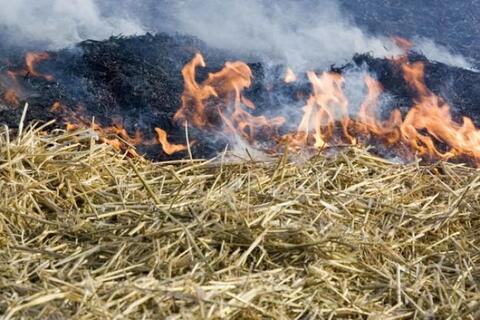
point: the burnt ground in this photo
(459, 87)
(453, 24)
(138, 79)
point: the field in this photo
(87, 233)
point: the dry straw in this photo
(89, 234)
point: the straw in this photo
(86, 233)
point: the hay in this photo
(89, 234)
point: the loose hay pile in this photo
(88, 234)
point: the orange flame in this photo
(219, 101)
(167, 147)
(32, 59)
(9, 81)
(12, 91)
(115, 135)
(327, 117)
(432, 114)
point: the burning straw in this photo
(88, 233)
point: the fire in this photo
(326, 104)
(115, 135)
(290, 76)
(327, 119)
(56, 107)
(9, 81)
(432, 114)
(167, 147)
(32, 59)
(11, 88)
(218, 102)
(404, 44)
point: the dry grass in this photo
(89, 234)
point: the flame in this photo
(167, 147)
(427, 129)
(9, 80)
(11, 87)
(32, 59)
(290, 76)
(432, 114)
(325, 106)
(115, 135)
(218, 102)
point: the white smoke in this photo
(303, 33)
(60, 23)
(440, 53)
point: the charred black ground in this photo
(138, 80)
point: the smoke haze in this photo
(302, 33)
(60, 23)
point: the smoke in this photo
(304, 33)
(440, 53)
(60, 23)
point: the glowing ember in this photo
(56, 107)
(71, 127)
(11, 97)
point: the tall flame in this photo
(218, 101)
(327, 117)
